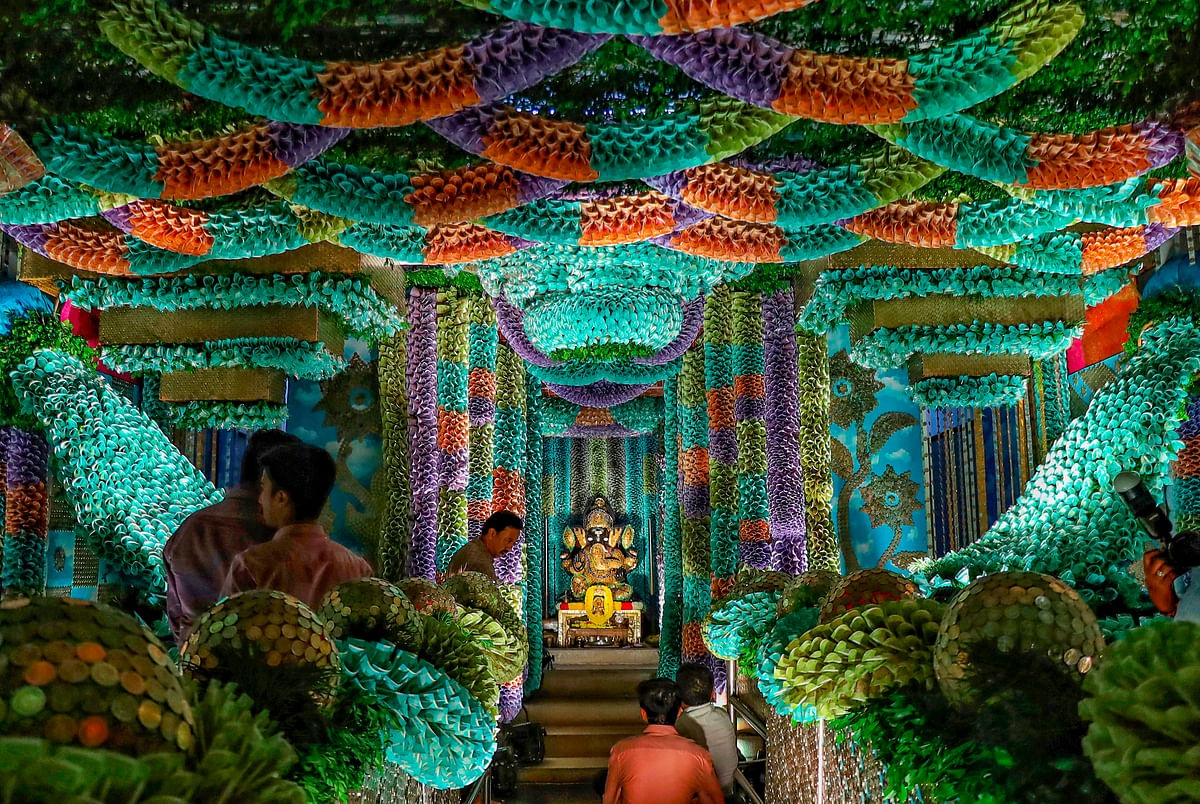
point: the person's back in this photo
(659, 766)
(706, 724)
(198, 556)
(300, 560)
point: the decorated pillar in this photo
(421, 374)
(453, 344)
(671, 579)
(785, 472)
(722, 438)
(815, 457)
(481, 406)
(749, 386)
(396, 515)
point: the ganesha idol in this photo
(599, 553)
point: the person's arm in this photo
(238, 579)
(692, 730)
(708, 788)
(1160, 582)
(612, 788)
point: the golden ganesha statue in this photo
(600, 553)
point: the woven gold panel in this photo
(941, 310)
(899, 255)
(921, 367)
(132, 325)
(224, 385)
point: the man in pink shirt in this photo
(659, 766)
(198, 555)
(300, 559)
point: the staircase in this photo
(587, 703)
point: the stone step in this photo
(593, 682)
(587, 740)
(563, 770)
(578, 711)
(606, 658)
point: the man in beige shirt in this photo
(499, 533)
(705, 723)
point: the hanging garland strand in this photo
(453, 343)
(815, 457)
(694, 536)
(421, 371)
(396, 521)
(561, 449)
(481, 406)
(671, 596)
(633, 508)
(535, 534)
(722, 437)
(785, 477)
(749, 385)
(598, 458)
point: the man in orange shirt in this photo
(659, 766)
(300, 559)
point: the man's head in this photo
(261, 442)
(296, 481)
(659, 699)
(500, 532)
(695, 684)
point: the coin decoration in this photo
(1018, 612)
(276, 627)
(865, 587)
(370, 609)
(806, 589)
(427, 596)
(84, 674)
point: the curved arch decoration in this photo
(839, 89)
(19, 165)
(395, 92)
(648, 17)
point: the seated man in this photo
(706, 724)
(658, 766)
(198, 556)
(499, 533)
(300, 559)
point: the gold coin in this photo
(169, 725)
(271, 632)
(155, 689)
(73, 671)
(288, 630)
(254, 633)
(57, 652)
(133, 683)
(27, 655)
(149, 714)
(298, 648)
(105, 674)
(175, 700)
(274, 659)
(124, 707)
(183, 737)
(60, 729)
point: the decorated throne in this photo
(599, 557)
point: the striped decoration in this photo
(749, 387)
(26, 513)
(453, 344)
(785, 477)
(722, 437)
(481, 407)
(671, 583)
(396, 517)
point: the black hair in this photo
(260, 443)
(695, 684)
(659, 697)
(305, 472)
(501, 520)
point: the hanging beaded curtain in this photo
(615, 490)
(978, 459)
(722, 438)
(635, 502)
(535, 534)
(396, 516)
(453, 345)
(749, 386)
(598, 459)
(421, 374)
(481, 407)
(581, 473)
(671, 573)
(509, 493)
(26, 513)
(785, 481)
(696, 548)
(560, 452)
(822, 543)
(651, 534)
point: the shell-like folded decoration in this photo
(220, 165)
(723, 239)
(395, 92)
(1039, 161)
(833, 88)
(1132, 202)
(19, 165)
(646, 17)
(714, 129)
